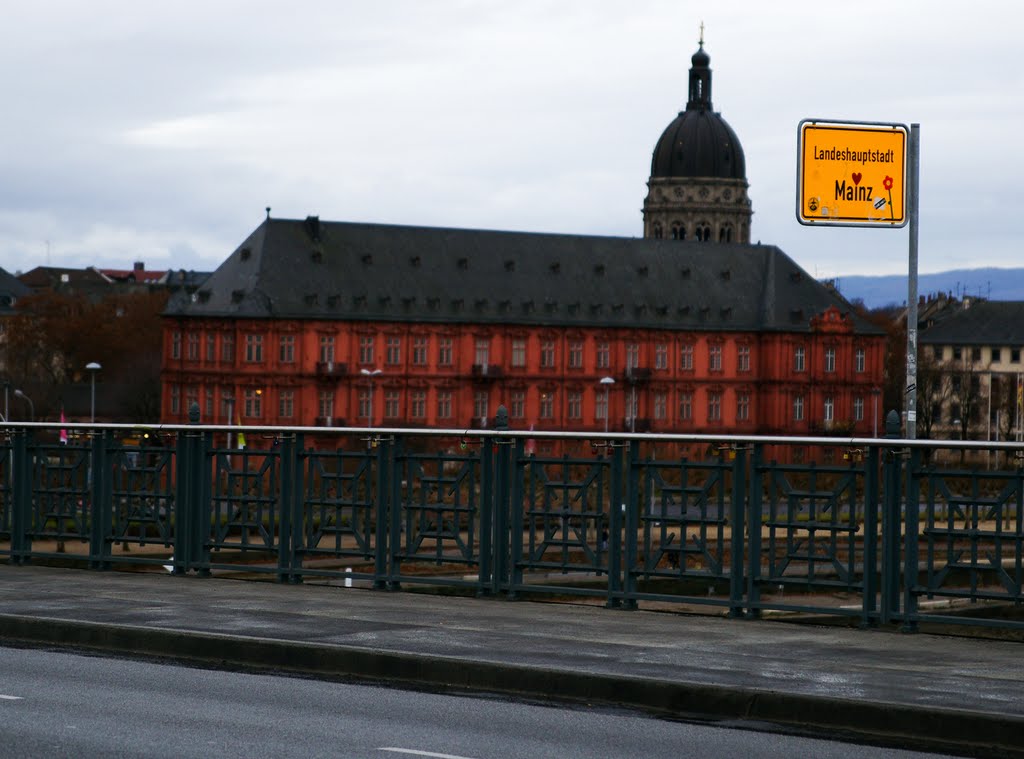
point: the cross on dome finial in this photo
(701, 40)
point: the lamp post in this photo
(370, 374)
(31, 405)
(632, 408)
(874, 408)
(607, 382)
(92, 367)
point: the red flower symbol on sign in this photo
(887, 183)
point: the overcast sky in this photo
(160, 131)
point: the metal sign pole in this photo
(913, 175)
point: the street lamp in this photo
(229, 401)
(607, 382)
(92, 367)
(31, 405)
(370, 374)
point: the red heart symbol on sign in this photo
(856, 178)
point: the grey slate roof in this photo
(982, 323)
(292, 269)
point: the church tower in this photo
(698, 185)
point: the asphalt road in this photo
(54, 704)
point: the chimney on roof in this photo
(139, 266)
(313, 228)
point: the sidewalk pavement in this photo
(920, 691)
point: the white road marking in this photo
(11, 698)
(422, 753)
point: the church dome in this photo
(699, 142)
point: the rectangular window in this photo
(326, 349)
(997, 355)
(601, 406)
(574, 404)
(798, 408)
(937, 352)
(743, 407)
(253, 404)
(444, 404)
(366, 349)
(686, 357)
(714, 407)
(519, 353)
(482, 354)
(392, 404)
(393, 351)
(660, 406)
(444, 357)
(858, 360)
(518, 410)
(858, 409)
(227, 348)
(829, 410)
(632, 356)
(366, 406)
(798, 359)
(175, 393)
(209, 404)
(715, 358)
(211, 347)
(176, 344)
(975, 354)
(480, 405)
(1015, 355)
(254, 348)
(604, 356)
(547, 354)
(418, 403)
(286, 404)
(419, 351)
(830, 359)
(685, 407)
(325, 405)
(576, 354)
(286, 349)
(191, 396)
(743, 358)
(958, 353)
(661, 356)
(547, 405)
(193, 346)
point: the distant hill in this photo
(990, 283)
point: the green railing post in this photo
(381, 556)
(288, 522)
(201, 515)
(632, 526)
(891, 522)
(911, 548)
(615, 501)
(511, 570)
(738, 509)
(869, 603)
(396, 460)
(100, 501)
(756, 506)
(494, 498)
(21, 515)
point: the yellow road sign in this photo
(851, 174)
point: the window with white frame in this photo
(798, 358)
(830, 360)
(519, 352)
(574, 405)
(858, 360)
(798, 408)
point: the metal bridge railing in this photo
(877, 530)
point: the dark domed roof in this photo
(699, 143)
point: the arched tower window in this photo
(704, 232)
(725, 233)
(678, 231)
(657, 231)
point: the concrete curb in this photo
(919, 727)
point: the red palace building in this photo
(690, 329)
